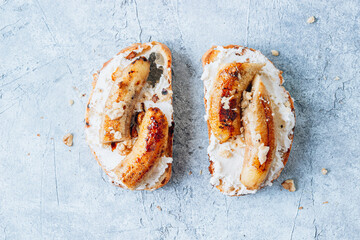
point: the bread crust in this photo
(208, 57)
(165, 177)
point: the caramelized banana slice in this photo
(122, 99)
(259, 137)
(224, 113)
(147, 151)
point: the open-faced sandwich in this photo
(129, 117)
(250, 118)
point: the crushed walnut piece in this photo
(155, 98)
(158, 207)
(190, 172)
(131, 55)
(275, 52)
(289, 185)
(225, 153)
(68, 139)
(38, 134)
(300, 208)
(326, 202)
(311, 20)
(324, 171)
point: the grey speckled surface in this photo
(51, 191)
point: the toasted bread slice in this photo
(115, 134)
(256, 150)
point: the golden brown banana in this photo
(147, 151)
(122, 99)
(224, 113)
(259, 137)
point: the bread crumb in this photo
(71, 102)
(200, 172)
(38, 134)
(41, 117)
(190, 172)
(311, 19)
(275, 53)
(337, 78)
(28, 154)
(68, 139)
(158, 207)
(289, 185)
(326, 202)
(324, 171)
(300, 208)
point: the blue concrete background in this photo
(48, 51)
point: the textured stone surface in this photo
(48, 51)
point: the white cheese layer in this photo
(109, 158)
(227, 168)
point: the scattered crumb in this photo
(82, 94)
(190, 172)
(200, 172)
(68, 139)
(41, 117)
(324, 171)
(324, 77)
(311, 19)
(38, 134)
(300, 208)
(71, 102)
(337, 78)
(158, 207)
(275, 53)
(326, 202)
(289, 185)
(28, 154)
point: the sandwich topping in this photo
(251, 120)
(126, 102)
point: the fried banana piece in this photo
(147, 151)
(121, 101)
(224, 113)
(259, 137)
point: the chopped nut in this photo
(131, 55)
(140, 117)
(71, 102)
(190, 172)
(289, 185)
(275, 53)
(225, 153)
(68, 139)
(158, 207)
(311, 19)
(38, 134)
(324, 171)
(300, 208)
(336, 78)
(155, 98)
(326, 202)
